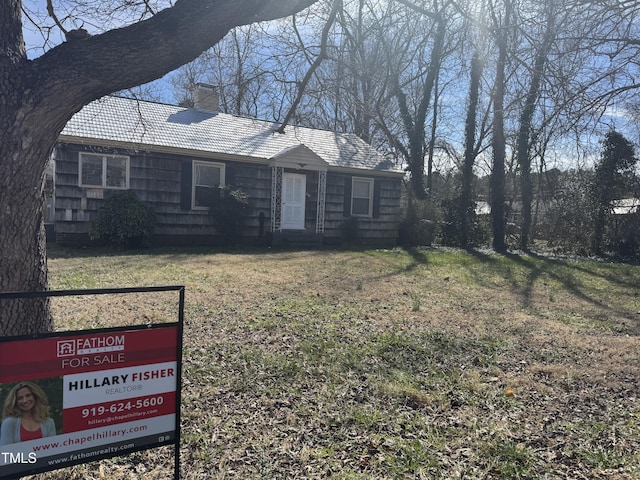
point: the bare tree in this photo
(237, 66)
(474, 26)
(337, 6)
(501, 26)
(414, 119)
(466, 201)
(523, 148)
(352, 86)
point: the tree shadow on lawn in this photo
(419, 258)
(562, 271)
(534, 267)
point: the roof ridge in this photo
(275, 123)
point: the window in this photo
(362, 197)
(207, 178)
(104, 171)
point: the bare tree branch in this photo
(52, 14)
(337, 5)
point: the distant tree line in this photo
(585, 211)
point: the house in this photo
(625, 206)
(304, 184)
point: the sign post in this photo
(74, 397)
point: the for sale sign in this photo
(74, 397)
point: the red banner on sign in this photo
(57, 356)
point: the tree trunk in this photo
(24, 150)
(524, 131)
(598, 231)
(466, 194)
(432, 140)
(499, 143)
(415, 125)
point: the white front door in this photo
(294, 190)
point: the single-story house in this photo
(301, 184)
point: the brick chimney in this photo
(206, 98)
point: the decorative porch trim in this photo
(276, 198)
(322, 193)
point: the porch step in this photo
(296, 238)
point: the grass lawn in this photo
(381, 364)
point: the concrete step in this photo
(296, 238)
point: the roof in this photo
(626, 206)
(482, 208)
(130, 123)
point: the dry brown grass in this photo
(384, 364)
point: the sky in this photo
(37, 43)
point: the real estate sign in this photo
(99, 393)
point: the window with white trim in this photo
(362, 197)
(104, 171)
(208, 177)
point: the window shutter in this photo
(347, 195)
(229, 175)
(186, 177)
(376, 197)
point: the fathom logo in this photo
(88, 345)
(66, 348)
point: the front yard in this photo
(383, 364)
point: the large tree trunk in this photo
(466, 194)
(25, 144)
(24, 150)
(499, 143)
(40, 96)
(524, 131)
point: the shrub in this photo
(419, 223)
(567, 222)
(227, 211)
(123, 220)
(452, 234)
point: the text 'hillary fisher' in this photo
(120, 383)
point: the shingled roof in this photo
(129, 123)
